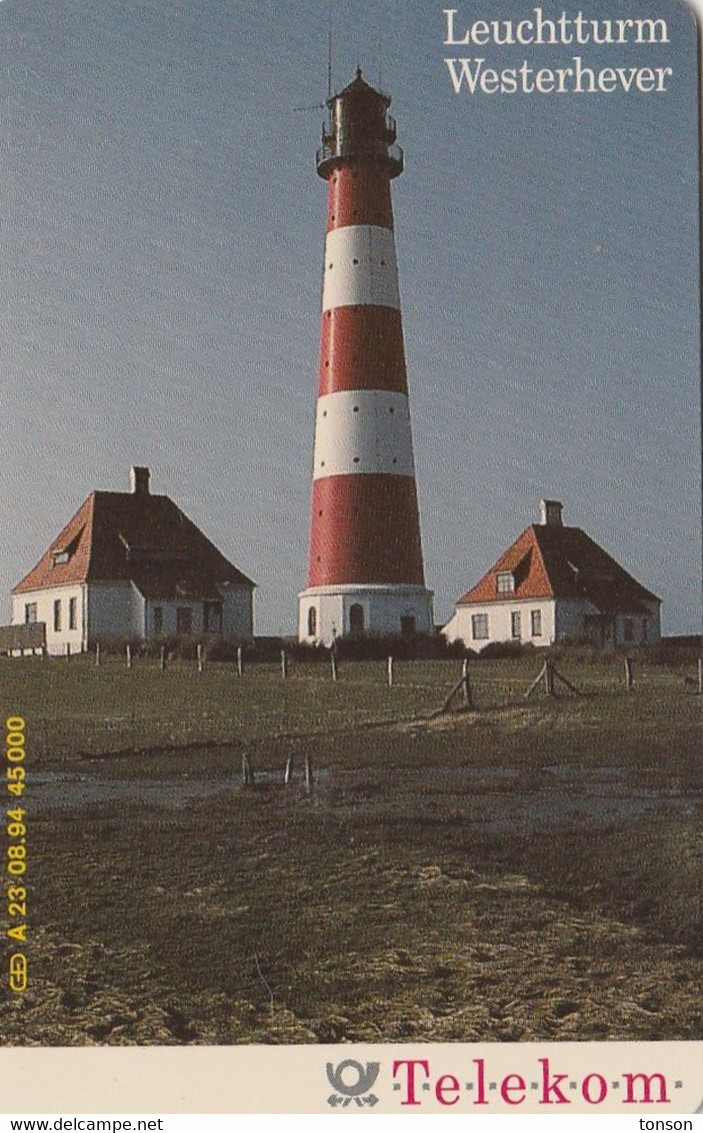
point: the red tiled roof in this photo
(134, 536)
(551, 561)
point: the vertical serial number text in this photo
(16, 851)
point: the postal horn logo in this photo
(352, 1082)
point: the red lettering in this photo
(552, 1087)
(586, 1089)
(510, 1083)
(480, 1082)
(646, 1080)
(410, 1063)
(446, 1085)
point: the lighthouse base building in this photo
(329, 612)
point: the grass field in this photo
(532, 869)
(77, 708)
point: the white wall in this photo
(56, 642)
(459, 627)
(570, 616)
(169, 616)
(237, 613)
(330, 617)
(654, 628)
(640, 634)
(115, 611)
(383, 606)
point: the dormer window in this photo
(505, 582)
(61, 555)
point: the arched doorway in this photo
(356, 618)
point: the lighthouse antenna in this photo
(382, 40)
(380, 55)
(329, 49)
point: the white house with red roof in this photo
(555, 584)
(132, 566)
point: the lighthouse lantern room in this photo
(365, 570)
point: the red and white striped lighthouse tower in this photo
(365, 572)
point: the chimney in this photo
(550, 513)
(139, 481)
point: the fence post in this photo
(308, 773)
(68, 650)
(287, 774)
(700, 675)
(333, 663)
(548, 678)
(129, 656)
(240, 661)
(200, 657)
(390, 672)
(629, 673)
(97, 653)
(465, 685)
(247, 773)
(284, 664)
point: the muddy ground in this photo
(494, 877)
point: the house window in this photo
(515, 631)
(356, 618)
(628, 630)
(73, 613)
(57, 616)
(505, 582)
(158, 620)
(312, 621)
(479, 627)
(30, 613)
(184, 619)
(213, 617)
(536, 619)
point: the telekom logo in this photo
(414, 1080)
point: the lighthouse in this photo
(365, 569)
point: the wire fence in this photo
(78, 709)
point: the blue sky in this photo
(162, 230)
